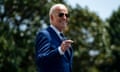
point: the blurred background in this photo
(96, 36)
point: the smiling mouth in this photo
(64, 23)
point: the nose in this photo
(64, 17)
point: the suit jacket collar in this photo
(56, 30)
(53, 33)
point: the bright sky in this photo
(103, 8)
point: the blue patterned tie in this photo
(64, 38)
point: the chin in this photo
(64, 27)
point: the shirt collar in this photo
(56, 30)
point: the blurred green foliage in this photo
(97, 42)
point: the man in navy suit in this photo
(53, 51)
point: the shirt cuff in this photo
(60, 51)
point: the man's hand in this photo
(66, 44)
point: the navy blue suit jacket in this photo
(48, 58)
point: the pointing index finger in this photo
(69, 41)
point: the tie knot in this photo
(61, 34)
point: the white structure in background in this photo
(94, 52)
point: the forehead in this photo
(61, 9)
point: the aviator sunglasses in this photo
(62, 14)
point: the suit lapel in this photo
(57, 41)
(55, 38)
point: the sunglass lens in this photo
(62, 14)
(67, 15)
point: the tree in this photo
(92, 41)
(114, 27)
(19, 23)
(114, 31)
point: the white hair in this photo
(53, 8)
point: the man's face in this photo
(60, 18)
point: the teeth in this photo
(64, 23)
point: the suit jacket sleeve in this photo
(45, 51)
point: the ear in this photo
(51, 16)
